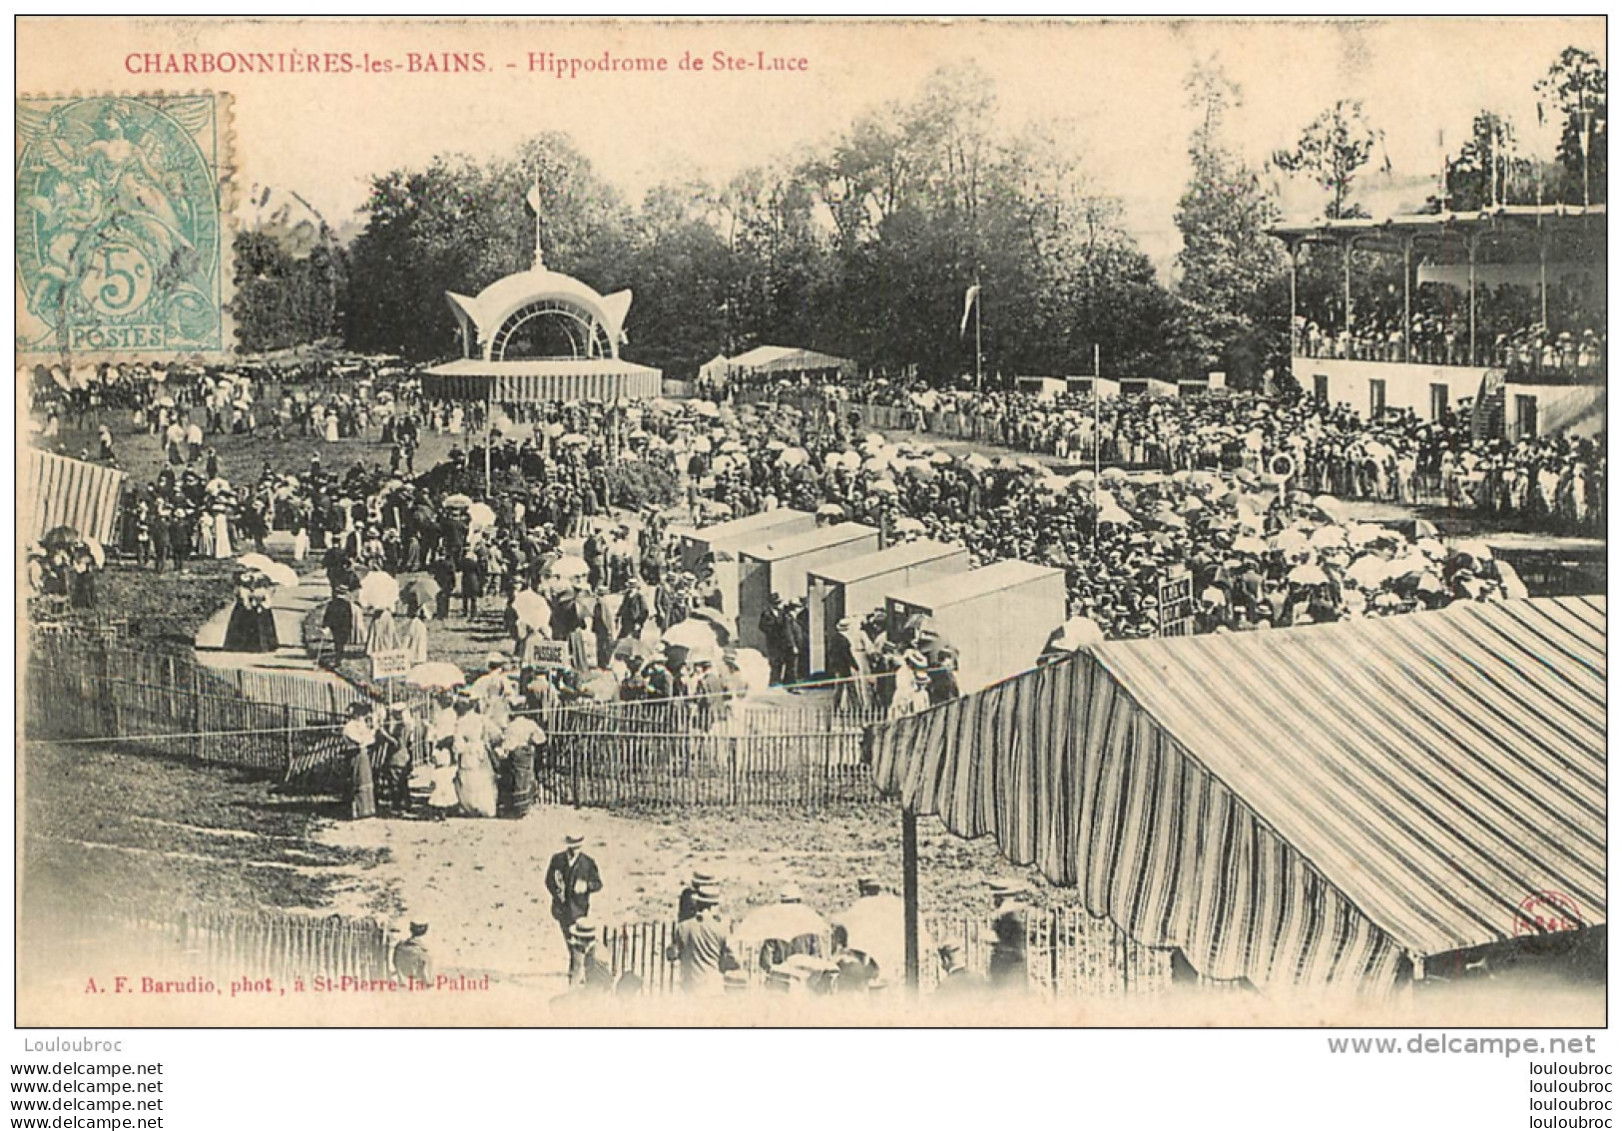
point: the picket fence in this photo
(218, 944)
(80, 688)
(1068, 953)
(653, 755)
(698, 753)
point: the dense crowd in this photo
(1236, 526)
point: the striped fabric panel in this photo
(1160, 846)
(1440, 768)
(68, 492)
(1309, 805)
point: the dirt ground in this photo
(107, 825)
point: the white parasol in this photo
(378, 590)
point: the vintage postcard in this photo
(837, 522)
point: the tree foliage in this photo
(1573, 95)
(1331, 150)
(1233, 273)
(282, 298)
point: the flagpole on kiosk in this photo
(1098, 441)
(971, 301)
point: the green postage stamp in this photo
(123, 234)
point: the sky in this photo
(1115, 89)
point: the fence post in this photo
(197, 713)
(287, 726)
(574, 770)
(909, 893)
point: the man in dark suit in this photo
(571, 878)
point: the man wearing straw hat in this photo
(700, 945)
(587, 971)
(1008, 929)
(571, 878)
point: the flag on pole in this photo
(970, 297)
(534, 197)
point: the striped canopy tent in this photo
(1323, 807)
(785, 361)
(58, 491)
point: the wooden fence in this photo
(223, 945)
(80, 687)
(1068, 953)
(698, 753)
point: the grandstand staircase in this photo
(1487, 416)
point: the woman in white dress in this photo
(221, 520)
(911, 685)
(475, 772)
(331, 427)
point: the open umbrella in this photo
(573, 439)
(1475, 548)
(97, 554)
(977, 462)
(1113, 475)
(1308, 574)
(794, 457)
(457, 502)
(1290, 540)
(420, 592)
(1330, 507)
(782, 921)
(830, 510)
(723, 626)
(1249, 544)
(1327, 537)
(1078, 633)
(256, 561)
(378, 590)
(884, 486)
(60, 538)
(876, 926)
(435, 675)
(281, 576)
(1368, 571)
(480, 516)
(703, 408)
(569, 566)
(693, 634)
(924, 472)
(754, 671)
(531, 609)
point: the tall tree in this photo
(1573, 94)
(1232, 271)
(1488, 171)
(1331, 150)
(459, 226)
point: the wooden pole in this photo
(909, 892)
(978, 356)
(1471, 242)
(1407, 300)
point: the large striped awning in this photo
(541, 381)
(1307, 805)
(58, 491)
